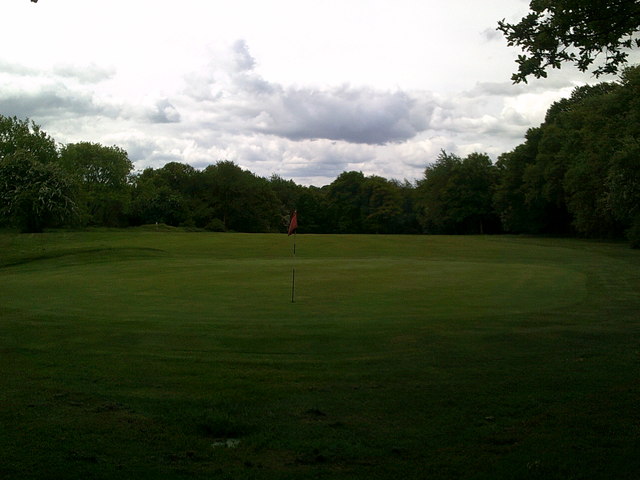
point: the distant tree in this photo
(16, 134)
(573, 31)
(455, 195)
(97, 165)
(408, 198)
(154, 201)
(103, 175)
(477, 180)
(243, 201)
(383, 206)
(346, 202)
(623, 181)
(314, 211)
(288, 194)
(516, 207)
(34, 192)
(543, 181)
(34, 195)
(179, 177)
(169, 195)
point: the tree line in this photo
(578, 173)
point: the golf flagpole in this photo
(293, 228)
(293, 285)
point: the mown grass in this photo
(180, 355)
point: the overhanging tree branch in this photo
(573, 31)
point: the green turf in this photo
(145, 354)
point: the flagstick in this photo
(293, 228)
(293, 271)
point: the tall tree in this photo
(347, 202)
(34, 192)
(623, 181)
(383, 207)
(34, 195)
(16, 134)
(513, 203)
(623, 176)
(577, 172)
(288, 194)
(103, 175)
(455, 195)
(239, 199)
(314, 210)
(155, 201)
(573, 31)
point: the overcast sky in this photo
(303, 89)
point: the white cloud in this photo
(298, 88)
(239, 100)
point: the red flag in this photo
(293, 225)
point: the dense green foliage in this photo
(34, 191)
(456, 195)
(32, 194)
(102, 173)
(18, 135)
(143, 354)
(575, 174)
(578, 172)
(574, 31)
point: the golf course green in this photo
(157, 353)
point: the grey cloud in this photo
(164, 112)
(84, 74)
(52, 102)
(514, 117)
(349, 114)
(556, 81)
(138, 150)
(453, 123)
(16, 69)
(320, 161)
(242, 58)
(491, 34)
(163, 157)
(145, 152)
(201, 164)
(255, 85)
(356, 115)
(499, 89)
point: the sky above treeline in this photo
(302, 89)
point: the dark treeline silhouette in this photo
(578, 173)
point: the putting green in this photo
(141, 284)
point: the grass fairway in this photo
(180, 355)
